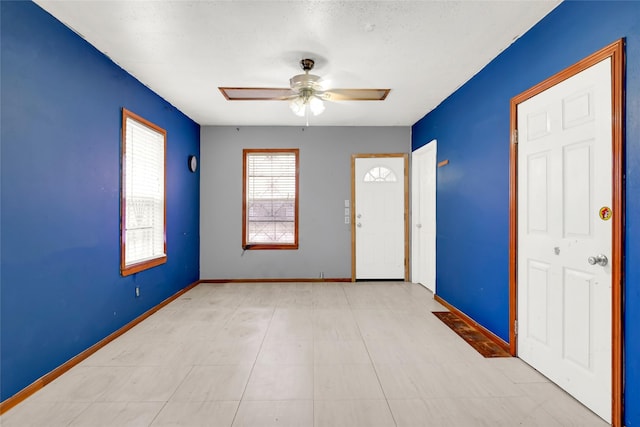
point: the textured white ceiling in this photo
(184, 50)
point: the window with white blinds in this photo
(270, 202)
(143, 224)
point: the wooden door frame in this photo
(615, 51)
(405, 156)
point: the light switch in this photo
(346, 203)
(346, 211)
(346, 220)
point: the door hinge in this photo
(514, 136)
(515, 327)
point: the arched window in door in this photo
(380, 174)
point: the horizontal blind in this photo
(144, 193)
(271, 197)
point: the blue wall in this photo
(472, 129)
(61, 288)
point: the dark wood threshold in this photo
(471, 335)
(38, 384)
(484, 331)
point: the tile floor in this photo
(298, 354)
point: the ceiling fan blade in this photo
(256, 93)
(356, 94)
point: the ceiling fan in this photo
(305, 94)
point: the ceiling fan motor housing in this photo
(305, 81)
(307, 64)
(306, 85)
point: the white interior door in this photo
(564, 191)
(379, 218)
(423, 215)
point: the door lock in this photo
(601, 260)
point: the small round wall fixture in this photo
(193, 163)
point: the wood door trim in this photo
(615, 51)
(405, 156)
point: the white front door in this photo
(379, 217)
(423, 216)
(564, 207)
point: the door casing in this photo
(354, 202)
(615, 51)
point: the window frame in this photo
(270, 246)
(129, 269)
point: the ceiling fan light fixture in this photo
(301, 104)
(316, 105)
(298, 106)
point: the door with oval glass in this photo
(379, 234)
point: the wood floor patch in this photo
(471, 335)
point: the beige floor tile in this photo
(215, 297)
(201, 311)
(208, 383)
(352, 413)
(469, 380)
(243, 331)
(256, 318)
(300, 354)
(378, 324)
(80, 384)
(398, 351)
(364, 296)
(425, 328)
(443, 412)
(139, 350)
(250, 316)
(346, 382)
(561, 406)
(335, 324)
(291, 324)
(517, 370)
(275, 413)
(258, 298)
(144, 384)
(196, 414)
(455, 351)
(121, 414)
(296, 295)
(225, 351)
(280, 382)
(329, 295)
(405, 381)
(340, 352)
(508, 411)
(39, 414)
(275, 352)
